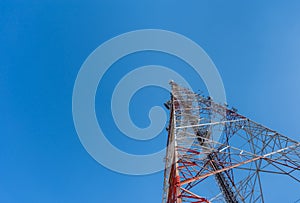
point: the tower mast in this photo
(208, 141)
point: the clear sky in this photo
(255, 46)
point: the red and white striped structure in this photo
(215, 154)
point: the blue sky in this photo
(255, 46)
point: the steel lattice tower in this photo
(209, 141)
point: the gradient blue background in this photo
(255, 46)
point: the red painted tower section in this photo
(215, 154)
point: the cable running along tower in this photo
(215, 154)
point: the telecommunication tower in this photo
(215, 154)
